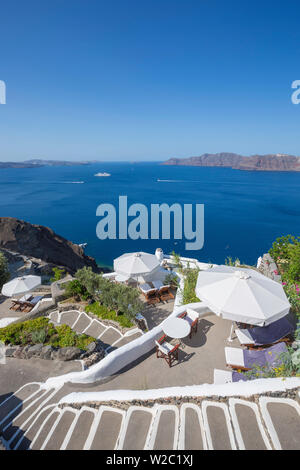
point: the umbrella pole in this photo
(230, 339)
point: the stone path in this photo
(80, 322)
(32, 418)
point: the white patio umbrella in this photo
(136, 264)
(121, 278)
(20, 285)
(242, 295)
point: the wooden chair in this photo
(30, 304)
(192, 317)
(151, 296)
(15, 305)
(27, 307)
(165, 294)
(167, 351)
(20, 304)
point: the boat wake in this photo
(170, 181)
(178, 181)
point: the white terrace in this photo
(41, 415)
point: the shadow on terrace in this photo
(198, 357)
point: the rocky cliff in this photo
(42, 243)
(270, 162)
(37, 163)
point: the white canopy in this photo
(20, 285)
(136, 264)
(243, 295)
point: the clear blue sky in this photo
(148, 79)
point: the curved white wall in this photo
(125, 355)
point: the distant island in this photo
(269, 162)
(37, 163)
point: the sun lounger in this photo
(226, 377)
(165, 293)
(27, 306)
(157, 284)
(18, 304)
(145, 288)
(246, 359)
(149, 293)
(280, 330)
(36, 300)
(15, 304)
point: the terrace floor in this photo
(198, 358)
(5, 312)
(155, 314)
(6, 303)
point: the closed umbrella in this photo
(242, 295)
(136, 264)
(20, 285)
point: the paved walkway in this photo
(32, 419)
(110, 337)
(156, 313)
(18, 372)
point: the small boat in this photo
(82, 245)
(102, 174)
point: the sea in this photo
(244, 211)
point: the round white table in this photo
(176, 328)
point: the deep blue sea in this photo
(244, 211)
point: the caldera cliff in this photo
(42, 243)
(269, 162)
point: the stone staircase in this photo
(37, 418)
(110, 336)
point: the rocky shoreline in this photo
(35, 249)
(42, 244)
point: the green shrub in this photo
(172, 280)
(89, 280)
(288, 364)
(104, 313)
(58, 274)
(39, 336)
(75, 289)
(229, 261)
(287, 367)
(177, 261)
(66, 336)
(40, 330)
(190, 276)
(286, 253)
(190, 280)
(293, 294)
(120, 298)
(82, 341)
